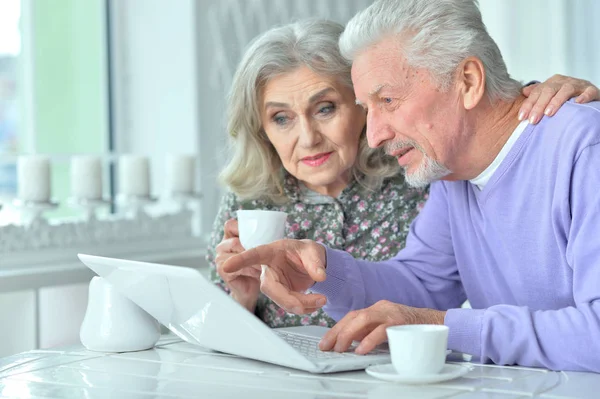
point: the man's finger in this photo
(310, 301)
(253, 271)
(314, 260)
(376, 337)
(330, 338)
(357, 328)
(262, 255)
(291, 302)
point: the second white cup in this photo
(260, 227)
(418, 349)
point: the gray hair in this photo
(438, 34)
(255, 170)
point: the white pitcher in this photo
(113, 323)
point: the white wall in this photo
(154, 80)
(61, 311)
(17, 318)
(539, 38)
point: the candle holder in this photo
(87, 207)
(31, 211)
(132, 205)
(185, 200)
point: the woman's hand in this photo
(244, 284)
(547, 97)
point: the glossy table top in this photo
(175, 369)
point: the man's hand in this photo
(293, 266)
(368, 325)
(547, 97)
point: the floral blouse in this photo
(370, 225)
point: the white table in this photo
(175, 369)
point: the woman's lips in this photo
(317, 160)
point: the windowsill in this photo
(70, 270)
(46, 254)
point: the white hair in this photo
(429, 169)
(254, 169)
(436, 35)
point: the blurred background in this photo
(149, 77)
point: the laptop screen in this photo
(184, 301)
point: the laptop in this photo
(199, 312)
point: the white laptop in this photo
(200, 313)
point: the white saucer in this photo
(388, 373)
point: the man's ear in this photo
(471, 81)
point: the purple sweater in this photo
(525, 252)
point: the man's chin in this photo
(415, 182)
(420, 178)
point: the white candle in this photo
(181, 174)
(134, 175)
(86, 177)
(33, 174)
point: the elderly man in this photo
(513, 226)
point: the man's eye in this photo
(387, 100)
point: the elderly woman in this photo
(299, 146)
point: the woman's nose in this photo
(309, 134)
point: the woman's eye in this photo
(280, 120)
(326, 109)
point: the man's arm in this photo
(423, 274)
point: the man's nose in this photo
(378, 131)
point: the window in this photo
(53, 88)
(10, 48)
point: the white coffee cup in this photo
(260, 227)
(418, 349)
(113, 323)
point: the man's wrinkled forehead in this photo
(376, 71)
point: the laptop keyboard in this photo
(309, 347)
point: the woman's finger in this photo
(562, 96)
(591, 93)
(231, 229)
(541, 102)
(527, 105)
(230, 246)
(528, 89)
